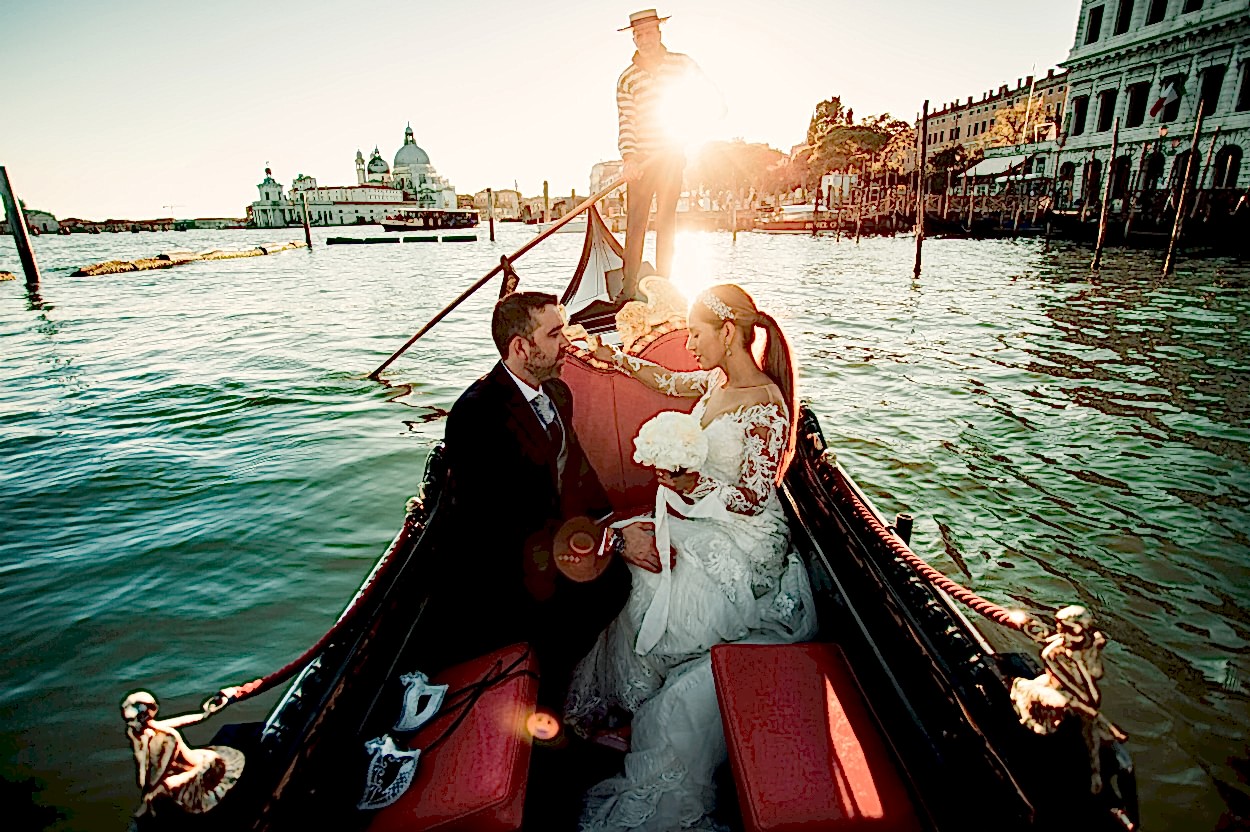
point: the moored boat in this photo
(933, 697)
(795, 219)
(430, 218)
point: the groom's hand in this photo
(640, 547)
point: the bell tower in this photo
(360, 167)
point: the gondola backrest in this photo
(609, 408)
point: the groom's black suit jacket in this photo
(507, 502)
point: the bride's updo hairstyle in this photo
(729, 302)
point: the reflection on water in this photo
(196, 474)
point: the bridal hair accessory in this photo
(718, 306)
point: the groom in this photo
(517, 472)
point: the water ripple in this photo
(196, 472)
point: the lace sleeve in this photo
(766, 430)
(670, 382)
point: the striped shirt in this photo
(639, 94)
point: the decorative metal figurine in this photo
(389, 774)
(1072, 662)
(417, 689)
(195, 779)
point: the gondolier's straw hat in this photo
(644, 16)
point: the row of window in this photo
(974, 129)
(1211, 84)
(1155, 13)
(1126, 175)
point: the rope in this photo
(1016, 620)
(229, 696)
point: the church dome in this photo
(377, 164)
(410, 154)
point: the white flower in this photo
(671, 441)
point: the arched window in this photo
(1178, 170)
(1153, 171)
(1091, 185)
(1063, 189)
(1227, 167)
(1119, 176)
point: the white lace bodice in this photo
(744, 449)
(745, 444)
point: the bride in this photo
(734, 577)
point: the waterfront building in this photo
(39, 222)
(75, 225)
(507, 204)
(612, 208)
(970, 122)
(1149, 63)
(1018, 169)
(381, 190)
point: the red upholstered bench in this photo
(475, 779)
(806, 754)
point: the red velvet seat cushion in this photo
(806, 754)
(475, 779)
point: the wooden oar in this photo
(589, 201)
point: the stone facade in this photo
(507, 204)
(39, 222)
(969, 122)
(1149, 63)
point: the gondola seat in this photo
(610, 407)
(475, 779)
(804, 749)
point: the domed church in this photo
(412, 173)
(381, 190)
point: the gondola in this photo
(934, 696)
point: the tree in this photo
(949, 163)
(1018, 124)
(836, 143)
(735, 167)
(829, 114)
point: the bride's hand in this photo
(682, 483)
(599, 349)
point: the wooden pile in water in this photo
(7, 276)
(178, 257)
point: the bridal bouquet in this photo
(671, 441)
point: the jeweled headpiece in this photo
(719, 308)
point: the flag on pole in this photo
(1167, 95)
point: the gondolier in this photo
(653, 155)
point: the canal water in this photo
(195, 474)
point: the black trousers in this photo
(661, 180)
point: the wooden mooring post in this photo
(1202, 177)
(17, 227)
(307, 230)
(920, 180)
(546, 204)
(1106, 196)
(1178, 225)
(1133, 190)
(490, 212)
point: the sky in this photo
(140, 109)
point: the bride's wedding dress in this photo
(735, 579)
